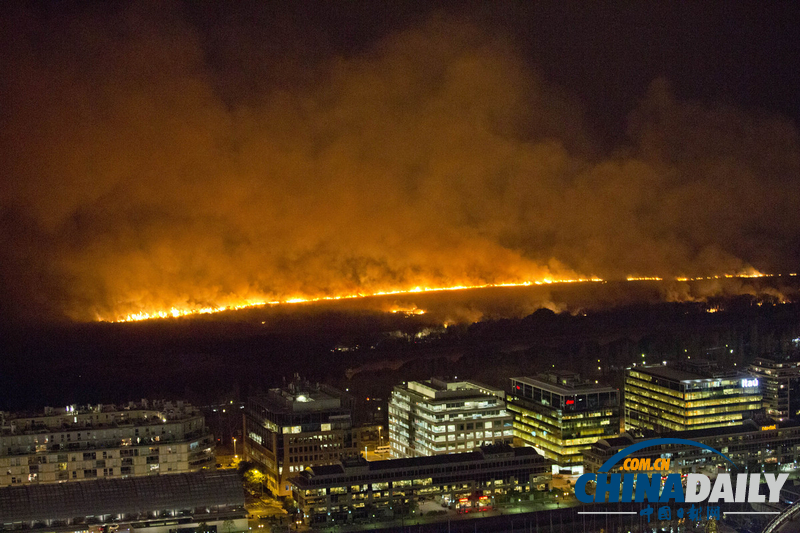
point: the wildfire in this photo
(176, 312)
(751, 274)
(408, 311)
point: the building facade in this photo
(290, 429)
(560, 416)
(752, 447)
(437, 417)
(103, 441)
(780, 386)
(357, 489)
(662, 398)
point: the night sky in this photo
(189, 154)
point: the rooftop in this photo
(748, 426)
(64, 501)
(95, 417)
(410, 463)
(684, 374)
(564, 383)
(303, 396)
(450, 389)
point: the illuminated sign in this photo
(570, 402)
(749, 383)
(768, 428)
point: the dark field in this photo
(491, 334)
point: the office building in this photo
(437, 416)
(560, 416)
(103, 441)
(663, 398)
(751, 446)
(357, 489)
(290, 429)
(779, 381)
(153, 504)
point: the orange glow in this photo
(407, 310)
(175, 312)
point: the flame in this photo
(413, 310)
(176, 312)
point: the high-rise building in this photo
(301, 425)
(436, 417)
(560, 415)
(103, 441)
(694, 395)
(780, 386)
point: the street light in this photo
(234, 449)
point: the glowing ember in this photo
(407, 310)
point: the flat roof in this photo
(64, 501)
(410, 463)
(748, 426)
(302, 399)
(439, 389)
(566, 390)
(675, 374)
(666, 372)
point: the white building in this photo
(78, 443)
(436, 417)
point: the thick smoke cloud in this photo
(134, 180)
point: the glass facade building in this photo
(779, 381)
(560, 416)
(661, 398)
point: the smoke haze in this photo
(146, 168)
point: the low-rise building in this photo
(752, 446)
(560, 415)
(290, 429)
(154, 504)
(357, 489)
(439, 416)
(695, 395)
(103, 441)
